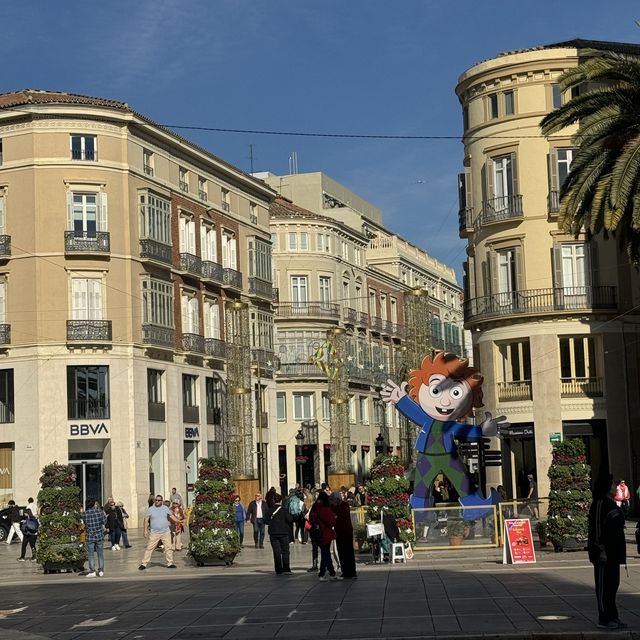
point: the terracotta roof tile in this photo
(35, 96)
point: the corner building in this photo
(120, 244)
(554, 318)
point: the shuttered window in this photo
(86, 298)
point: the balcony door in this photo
(190, 315)
(187, 235)
(87, 214)
(299, 292)
(503, 175)
(86, 300)
(572, 275)
(506, 278)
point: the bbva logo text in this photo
(88, 429)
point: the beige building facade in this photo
(553, 317)
(122, 243)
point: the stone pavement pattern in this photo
(451, 594)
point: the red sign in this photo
(520, 541)
(301, 459)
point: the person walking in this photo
(312, 518)
(14, 519)
(269, 498)
(344, 535)
(324, 520)
(295, 506)
(30, 528)
(94, 519)
(623, 496)
(607, 551)
(115, 522)
(176, 525)
(257, 512)
(280, 536)
(240, 518)
(123, 529)
(175, 496)
(156, 526)
(32, 507)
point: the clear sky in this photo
(336, 66)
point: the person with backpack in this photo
(30, 528)
(280, 534)
(295, 506)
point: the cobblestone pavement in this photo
(450, 593)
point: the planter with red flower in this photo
(212, 534)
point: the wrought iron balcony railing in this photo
(398, 330)
(154, 250)
(75, 242)
(500, 209)
(7, 413)
(193, 343)
(215, 348)
(265, 358)
(363, 319)
(232, 278)
(349, 315)
(300, 370)
(5, 246)
(5, 334)
(581, 387)
(212, 271)
(190, 263)
(88, 408)
(361, 373)
(80, 154)
(260, 288)
(307, 309)
(387, 327)
(156, 411)
(376, 324)
(515, 390)
(541, 301)
(89, 330)
(161, 336)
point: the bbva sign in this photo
(88, 429)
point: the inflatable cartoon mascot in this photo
(441, 392)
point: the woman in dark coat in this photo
(323, 516)
(344, 535)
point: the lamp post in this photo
(299, 462)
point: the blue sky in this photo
(337, 66)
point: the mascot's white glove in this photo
(391, 392)
(491, 426)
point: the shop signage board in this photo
(89, 430)
(518, 548)
(555, 437)
(192, 433)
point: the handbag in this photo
(307, 525)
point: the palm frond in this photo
(599, 205)
(625, 181)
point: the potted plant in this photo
(569, 496)
(455, 531)
(541, 528)
(359, 535)
(212, 534)
(59, 545)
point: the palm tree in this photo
(601, 194)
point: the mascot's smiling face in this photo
(445, 398)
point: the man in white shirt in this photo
(257, 512)
(176, 497)
(156, 529)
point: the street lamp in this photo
(299, 438)
(379, 443)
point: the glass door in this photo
(89, 479)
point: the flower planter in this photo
(570, 544)
(63, 567)
(455, 541)
(214, 561)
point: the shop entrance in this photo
(88, 475)
(518, 460)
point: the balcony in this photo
(360, 374)
(465, 221)
(500, 209)
(540, 301)
(154, 250)
(193, 343)
(516, 390)
(398, 330)
(7, 413)
(190, 415)
(387, 327)
(215, 348)
(376, 324)
(5, 334)
(159, 336)
(5, 247)
(553, 203)
(81, 154)
(156, 411)
(349, 315)
(581, 388)
(302, 370)
(80, 242)
(232, 278)
(190, 264)
(308, 309)
(263, 357)
(202, 195)
(88, 409)
(91, 331)
(184, 186)
(212, 271)
(260, 288)
(363, 319)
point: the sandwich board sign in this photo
(518, 547)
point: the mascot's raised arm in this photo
(439, 394)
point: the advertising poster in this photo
(519, 548)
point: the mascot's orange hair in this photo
(449, 365)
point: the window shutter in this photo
(593, 265)
(232, 253)
(3, 302)
(462, 192)
(69, 211)
(94, 299)
(493, 272)
(102, 211)
(557, 265)
(468, 196)
(489, 175)
(514, 175)
(225, 250)
(183, 231)
(191, 230)
(185, 314)
(215, 320)
(2, 216)
(204, 248)
(194, 319)
(552, 158)
(519, 270)
(79, 299)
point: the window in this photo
(155, 217)
(7, 406)
(405, 278)
(187, 229)
(299, 290)
(262, 330)
(86, 213)
(326, 408)
(364, 409)
(208, 243)
(293, 241)
(325, 290)
(372, 303)
(507, 278)
(229, 255)
(515, 361)
(281, 406)
(304, 241)
(559, 166)
(274, 240)
(189, 390)
(157, 302)
(213, 390)
(154, 386)
(465, 118)
(147, 162)
(353, 418)
(260, 259)
(190, 313)
(183, 179)
(212, 319)
(493, 105)
(509, 103)
(225, 199)
(3, 215)
(323, 242)
(253, 213)
(303, 406)
(86, 299)
(83, 147)
(383, 306)
(345, 250)
(557, 99)
(572, 274)
(504, 181)
(578, 357)
(202, 188)
(394, 310)
(358, 301)
(88, 392)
